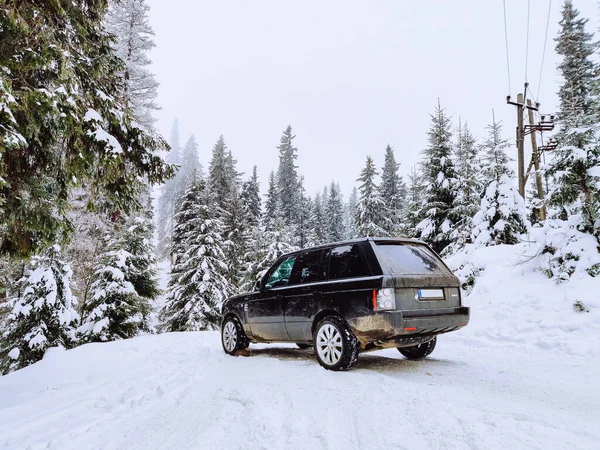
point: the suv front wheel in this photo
(335, 345)
(233, 337)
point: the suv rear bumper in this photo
(406, 328)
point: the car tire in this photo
(233, 337)
(418, 351)
(335, 345)
(303, 346)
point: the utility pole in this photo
(535, 159)
(522, 130)
(521, 105)
(521, 145)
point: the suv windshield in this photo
(409, 259)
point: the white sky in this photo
(349, 76)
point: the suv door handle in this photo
(278, 297)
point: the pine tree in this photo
(350, 213)
(501, 216)
(190, 169)
(288, 187)
(571, 236)
(415, 199)
(125, 285)
(271, 204)
(198, 285)
(318, 224)
(370, 212)
(236, 232)
(42, 314)
(393, 193)
(304, 213)
(468, 188)
(129, 21)
(251, 199)
(439, 177)
(219, 182)
(575, 167)
(335, 214)
(167, 199)
(64, 123)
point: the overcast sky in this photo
(349, 76)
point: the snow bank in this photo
(513, 303)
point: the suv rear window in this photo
(346, 262)
(408, 259)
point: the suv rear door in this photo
(350, 280)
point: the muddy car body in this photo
(347, 297)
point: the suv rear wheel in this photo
(335, 345)
(418, 351)
(233, 337)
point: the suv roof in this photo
(354, 241)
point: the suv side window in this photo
(346, 262)
(281, 275)
(309, 268)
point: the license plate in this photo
(431, 294)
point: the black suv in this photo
(349, 297)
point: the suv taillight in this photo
(384, 299)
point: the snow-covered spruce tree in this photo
(501, 218)
(190, 169)
(334, 213)
(576, 163)
(198, 284)
(236, 231)
(468, 188)
(288, 187)
(570, 238)
(318, 224)
(43, 312)
(129, 21)
(304, 212)
(63, 122)
(125, 285)
(271, 211)
(219, 182)
(415, 198)
(350, 215)
(370, 213)
(250, 198)
(392, 191)
(166, 201)
(439, 177)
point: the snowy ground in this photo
(523, 374)
(180, 391)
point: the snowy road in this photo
(180, 391)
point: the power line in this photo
(544, 51)
(527, 43)
(506, 44)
